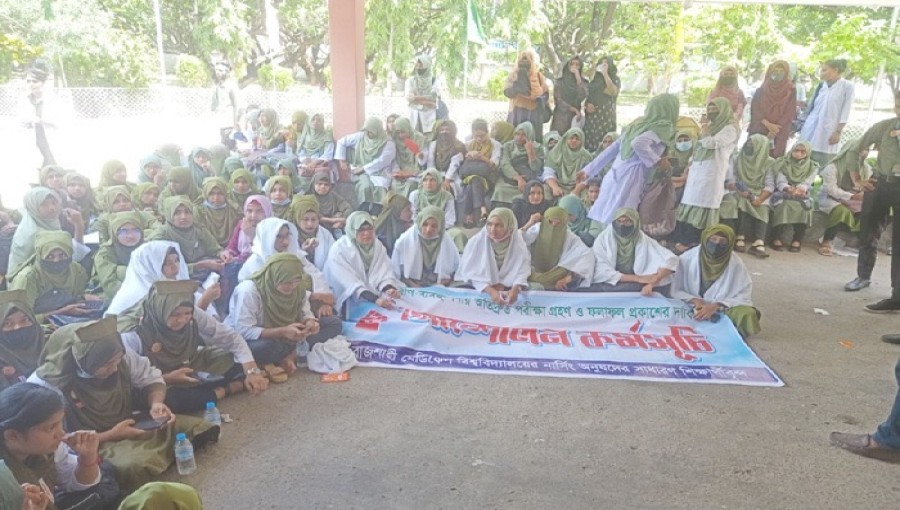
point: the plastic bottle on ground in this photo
(184, 455)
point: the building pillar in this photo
(346, 27)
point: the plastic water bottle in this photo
(302, 348)
(213, 416)
(184, 455)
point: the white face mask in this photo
(684, 146)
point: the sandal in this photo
(826, 250)
(777, 246)
(740, 246)
(483, 220)
(759, 251)
(275, 374)
(795, 247)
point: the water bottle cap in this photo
(181, 436)
(210, 405)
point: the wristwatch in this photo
(254, 371)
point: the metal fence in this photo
(126, 124)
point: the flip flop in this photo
(275, 374)
(794, 249)
(826, 250)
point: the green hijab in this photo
(184, 177)
(514, 149)
(222, 220)
(625, 246)
(660, 116)
(85, 204)
(405, 157)
(797, 171)
(752, 169)
(73, 280)
(548, 247)
(151, 159)
(711, 268)
(240, 198)
(117, 221)
(355, 221)
(683, 156)
(501, 248)
(430, 247)
(280, 309)
(300, 205)
(723, 119)
(31, 224)
(367, 149)
(568, 162)
(230, 165)
(312, 141)
(218, 153)
(169, 154)
(291, 165)
(388, 225)
(167, 349)
(575, 207)
(138, 191)
(22, 355)
(110, 194)
(502, 131)
(163, 495)
(188, 239)
(97, 404)
(549, 137)
(108, 171)
(282, 211)
(845, 161)
(437, 198)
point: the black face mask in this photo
(715, 249)
(422, 71)
(729, 80)
(56, 267)
(712, 116)
(623, 230)
(524, 64)
(18, 337)
(748, 149)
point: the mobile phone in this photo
(148, 423)
(206, 377)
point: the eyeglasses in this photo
(128, 231)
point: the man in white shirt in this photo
(828, 112)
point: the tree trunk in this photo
(608, 20)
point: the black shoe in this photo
(884, 306)
(857, 284)
(891, 339)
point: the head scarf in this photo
(535, 80)
(598, 82)
(107, 173)
(301, 205)
(797, 171)
(485, 148)
(773, 95)
(44, 174)
(84, 204)
(158, 495)
(151, 159)
(280, 309)
(217, 155)
(731, 93)
(752, 169)
(568, 86)
(144, 269)
(423, 82)
(501, 248)
(625, 246)
(548, 247)
(291, 164)
(446, 146)
(241, 198)
(502, 131)
(711, 268)
(575, 207)
(550, 137)
(280, 210)
(301, 118)
(526, 208)
(355, 221)
(437, 198)
(187, 238)
(388, 225)
(111, 193)
(22, 355)
(267, 134)
(167, 349)
(845, 161)
(117, 221)
(430, 247)
(222, 220)
(183, 176)
(660, 116)
(328, 201)
(405, 157)
(684, 156)
(198, 172)
(73, 280)
(169, 154)
(513, 148)
(568, 162)
(138, 192)
(723, 119)
(312, 141)
(246, 235)
(99, 404)
(31, 224)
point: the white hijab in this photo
(407, 257)
(144, 269)
(649, 256)
(733, 288)
(346, 271)
(264, 247)
(478, 266)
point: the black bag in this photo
(544, 105)
(474, 167)
(442, 112)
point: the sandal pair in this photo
(275, 374)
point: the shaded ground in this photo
(405, 439)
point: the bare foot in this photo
(289, 364)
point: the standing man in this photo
(828, 112)
(422, 96)
(879, 198)
(37, 112)
(884, 444)
(224, 101)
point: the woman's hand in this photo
(212, 265)
(664, 164)
(446, 185)
(74, 310)
(496, 296)
(555, 189)
(291, 333)
(225, 256)
(180, 376)
(520, 183)
(161, 412)
(563, 282)
(310, 244)
(647, 290)
(385, 302)
(590, 108)
(513, 294)
(213, 293)
(535, 218)
(35, 497)
(85, 444)
(312, 326)
(125, 430)
(705, 311)
(326, 311)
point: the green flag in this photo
(474, 33)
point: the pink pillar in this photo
(346, 27)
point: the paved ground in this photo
(404, 439)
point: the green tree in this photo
(866, 43)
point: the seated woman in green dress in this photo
(126, 233)
(21, 338)
(715, 281)
(103, 384)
